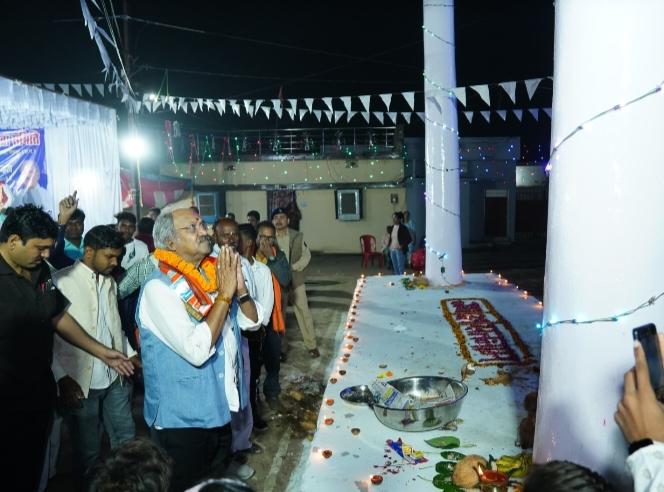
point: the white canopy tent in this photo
(81, 150)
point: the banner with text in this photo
(22, 166)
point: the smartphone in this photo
(647, 335)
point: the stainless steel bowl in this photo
(424, 417)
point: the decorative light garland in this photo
(433, 34)
(438, 86)
(441, 169)
(443, 126)
(650, 302)
(586, 124)
(438, 205)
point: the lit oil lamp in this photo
(492, 481)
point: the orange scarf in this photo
(197, 289)
(278, 319)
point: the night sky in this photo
(311, 49)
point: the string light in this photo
(650, 302)
(433, 34)
(587, 123)
(438, 86)
(438, 205)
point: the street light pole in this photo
(131, 124)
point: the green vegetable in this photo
(452, 455)
(444, 442)
(445, 467)
(444, 483)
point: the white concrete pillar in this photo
(605, 229)
(441, 146)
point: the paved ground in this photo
(331, 281)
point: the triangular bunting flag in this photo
(502, 113)
(220, 108)
(309, 101)
(209, 104)
(279, 110)
(351, 114)
(77, 88)
(64, 88)
(235, 107)
(518, 113)
(266, 110)
(421, 115)
(531, 86)
(276, 104)
(392, 116)
(183, 104)
(328, 102)
(157, 104)
(547, 111)
(317, 113)
(291, 113)
(88, 89)
(410, 99)
(329, 115)
(469, 115)
(406, 116)
(148, 105)
(250, 110)
(366, 114)
(338, 115)
(486, 115)
(194, 106)
(483, 91)
(534, 112)
(247, 105)
(258, 105)
(365, 103)
(51, 87)
(387, 98)
(460, 94)
(346, 101)
(200, 103)
(302, 113)
(293, 103)
(380, 116)
(510, 88)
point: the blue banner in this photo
(22, 166)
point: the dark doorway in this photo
(495, 214)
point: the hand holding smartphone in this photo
(647, 336)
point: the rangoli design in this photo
(485, 337)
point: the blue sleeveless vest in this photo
(179, 394)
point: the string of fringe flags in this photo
(377, 106)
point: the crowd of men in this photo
(197, 311)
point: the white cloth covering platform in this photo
(407, 331)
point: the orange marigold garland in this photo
(189, 270)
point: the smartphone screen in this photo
(647, 335)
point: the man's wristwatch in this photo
(244, 298)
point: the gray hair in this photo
(164, 230)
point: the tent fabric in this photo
(81, 148)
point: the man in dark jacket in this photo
(399, 240)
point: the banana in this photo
(516, 466)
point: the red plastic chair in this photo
(368, 245)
